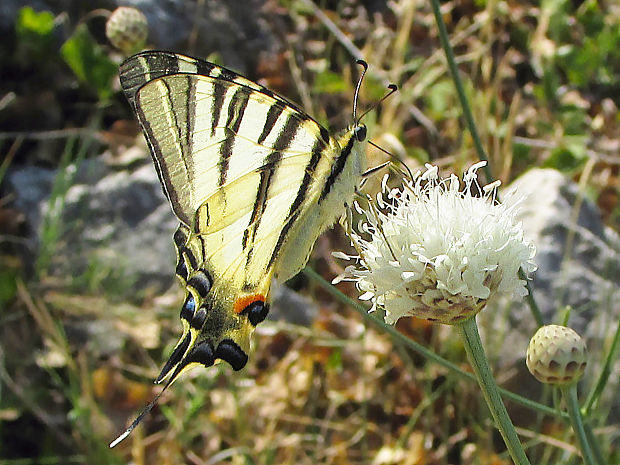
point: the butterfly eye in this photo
(188, 309)
(360, 133)
(230, 352)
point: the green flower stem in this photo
(468, 330)
(594, 445)
(536, 313)
(570, 397)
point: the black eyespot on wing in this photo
(256, 312)
(198, 319)
(360, 133)
(201, 282)
(201, 353)
(230, 352)
(188, 309)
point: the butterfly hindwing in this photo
(253, 181)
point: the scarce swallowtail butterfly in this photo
(253, 181)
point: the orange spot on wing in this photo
(243, 302)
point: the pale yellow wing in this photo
(253, 181)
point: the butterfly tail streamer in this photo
(147, 409)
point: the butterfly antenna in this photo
(357, 89)
(147, 409)
(393, 88)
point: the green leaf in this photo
(29, 22)
(440, 99)
(88, 61)
(567, 158)
(334, 362)
(35, 35)
(329, 83)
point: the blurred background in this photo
(88, 300)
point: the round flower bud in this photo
(556, 355)
(127, 29)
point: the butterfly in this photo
(253, 181)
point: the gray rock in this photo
(32, 186)
(110, 222)
(223, 26)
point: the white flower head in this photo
(434, 250)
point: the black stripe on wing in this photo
(268, 170)
(183, 128)
(295, 210)
(236, 110)
(270, 121)
(219, 93)
(337, 167)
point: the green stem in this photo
(460, 90)
(570, 397)
(605, 373)
(536, 313)
(468, 330)
(596, 448)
